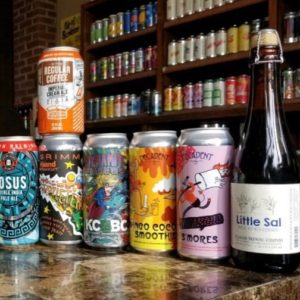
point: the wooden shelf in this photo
(291, 47)
(124, 38)
(206, 62)
(200, 114)
(120, 80)
(238, 4)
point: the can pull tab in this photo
(268, 37)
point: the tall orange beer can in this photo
(60, 91)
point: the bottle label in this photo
(265, 218)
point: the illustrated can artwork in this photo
(61, 189)
(152, 191)
(60, 91)
(19, 209)
(203, 169)
(105, 191)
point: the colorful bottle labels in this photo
(203, 178)
(19, 209)
(105, 197)
(265, 218)
(152, 198)
(61, 196)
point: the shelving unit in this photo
(162, 33)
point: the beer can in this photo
(242, 89)
(180, 8)
(104, 68)
(210, 44)
(124, 105)
(289, 25)
(98, 69)
(154, 12)
(139, 60)
(208, 4)
(178, 98)
(204, 160)
(200, 52)
(118, 64)
(168, 99)
(112, 26)
(60, 91)
(189, 52)
(180, 51)
(118, 106)
(156, 103)
(89, 109)
(218, 3)
(244, 37)
(232, 39)
(60, 175)
(93, 38)
(105, 195)
(93, 71)
(132, 62)
(148, 58)
(134, 24)
(142, 17)
(297, 83)
(96, 108)
(208, 93)
(221, 42)
(172, 61)
(110, 106)
(111, 66)
(230, 90)
(198, 94)
(152, 191)
(104, 106)
(105, 29)
(125, 63)
(199, 5)
(288, 84)
(120, 24)
(149, 15)
(154, 57)
(98, 31)
(19, 206)
(146, 99)
(127, 22)
(188, 99)
(132, 105)
(218, 95)
(171, 10)
(188, 7)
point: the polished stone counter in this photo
(41, 272)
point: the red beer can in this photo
(230, 88)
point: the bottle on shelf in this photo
(265, 192)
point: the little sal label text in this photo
(255, 222)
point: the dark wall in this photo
(10, 122)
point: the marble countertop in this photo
(41, 272)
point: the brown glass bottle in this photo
(266, 187)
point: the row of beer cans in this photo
(124, 105)
(123, 64)
(122, 23)
(112, 194)
(180, 8)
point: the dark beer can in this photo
(148, 58)
(60, 173)
(126, 22)
(89, 109)
(96, 109)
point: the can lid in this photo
(16, 138)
